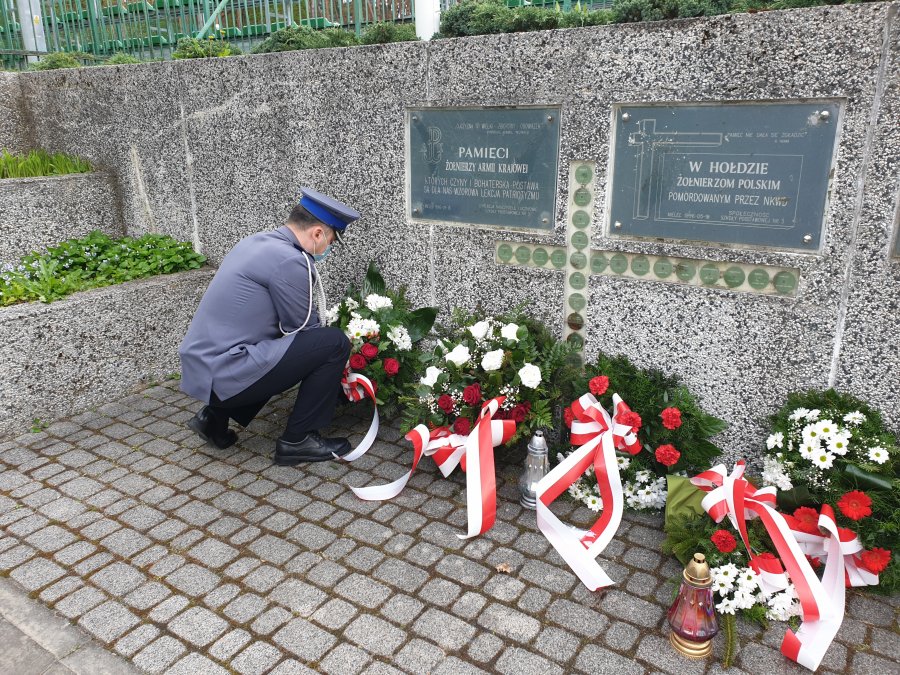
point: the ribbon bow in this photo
(821, 602)
(357, 387)
(475, 452)
(598, 435)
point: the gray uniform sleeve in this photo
(291, 294)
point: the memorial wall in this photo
(714, 197)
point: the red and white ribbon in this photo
(357, 387)
(474, 452)
(821, 602)
(598, 435)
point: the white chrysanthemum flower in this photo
(623, 462)
(508, 332)
(798, 414)
(774, 474)
(459, 355)
(775, 441)
(855, 418)
(594, 503)
(431, 375)
(722, 586)
(492, 360)
(744, 599)
(823, 460)
(826, 428)
(748, 580)
(530, 375)
(351, 303)
(878, 455)
(839, 443)
(400, 337)
(727, 606)
(480, 330)
(375, 302)
(813, 414)
(331, 314)
(360, 328)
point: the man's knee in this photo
(339, 341)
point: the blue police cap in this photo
(329, 211)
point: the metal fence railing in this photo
(150, 29)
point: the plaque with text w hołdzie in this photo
(731, 173)
(483, 166)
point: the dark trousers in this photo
(315, 359)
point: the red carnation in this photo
(598, 385)
(358, 361)
(876, 560)
(855, 505)
(631, 419)
(445, 403)
(369, 350)
(671, 418)
(667, 455)
(462, 426)
(724, 541)
(815, 563)
(472, 394)
(391, 366)
(807, 520)
(518, 413)
(568, 416)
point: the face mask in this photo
(319, 257)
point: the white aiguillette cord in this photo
(321, 300)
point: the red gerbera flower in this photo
(808, 520)
(876, 560)
(671, 418)
(724, 541)
(856, 505)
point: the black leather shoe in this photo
(313, 448)
(202, 424)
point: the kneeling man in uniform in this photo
(257, 333)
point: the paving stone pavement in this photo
(182, 558)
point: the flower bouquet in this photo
(671, 427)
(831, 448)
(383, 330)
(483, 357)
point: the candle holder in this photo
(693, 614)
(536, 467)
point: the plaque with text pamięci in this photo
(733, 173)
(484, 166)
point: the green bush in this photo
(533, 18)
(304, 37)
(578, 17)
(55, 60)
(382, 33)
(119, 59)
(195, 48)
(39, 163)
(93, 261)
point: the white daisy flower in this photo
(813, 414)
(798, 414)
(727, 606)
(878, 455)
(807, 450)
(839, 444)
(594, 503)
(855, 418)
(823, 459)
(826, 428)
(811, 433)
(775, 441)
(375, 302)
(623, 462)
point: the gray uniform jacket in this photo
(260, 291)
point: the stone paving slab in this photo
(182, 558)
